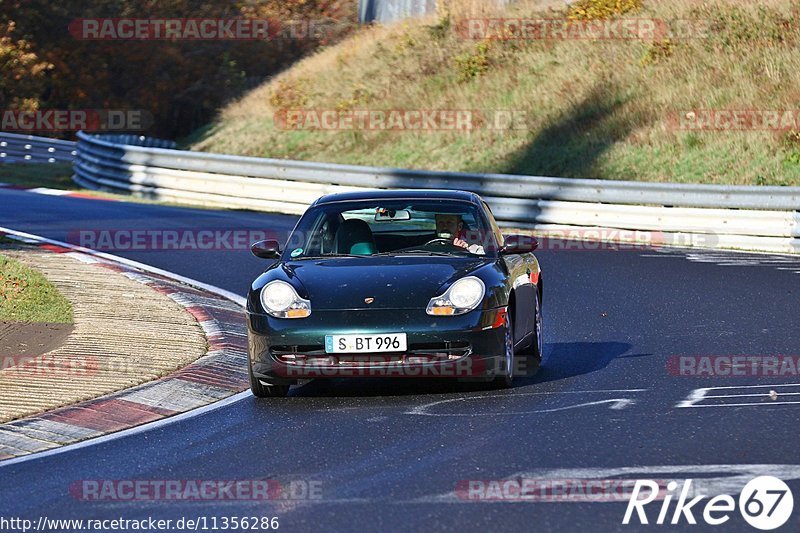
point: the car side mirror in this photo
(266, 249)
(518, 244)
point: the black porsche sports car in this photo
(401, 283)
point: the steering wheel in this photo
(440, 240)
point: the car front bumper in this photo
(283, 351)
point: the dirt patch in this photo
(31, 339)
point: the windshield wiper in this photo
(423, 252)
(328, 256)
(456, 253)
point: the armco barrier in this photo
(15, 148)
(754, 218)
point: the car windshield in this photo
(392, 227)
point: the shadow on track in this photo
(569, 359)
(366, 387)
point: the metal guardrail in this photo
(763, 218)
(499, 185)
(386, 11)
(16, 148)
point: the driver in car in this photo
(451, 226)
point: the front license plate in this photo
(384, 342)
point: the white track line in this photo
(616, 403)
(762, 395)
(699, 395)
(753, 404)
(774, 385)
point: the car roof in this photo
(411, 194)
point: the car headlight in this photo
(463, 296)
(279, 299)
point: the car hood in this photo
(393, 282)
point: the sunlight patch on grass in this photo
(26, 296)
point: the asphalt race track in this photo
(389, 454)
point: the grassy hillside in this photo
(592, 108)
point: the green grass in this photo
(51, 175)
(596, 109)
(26, 296)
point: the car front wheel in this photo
(505, 377)
(536, 347)
(266, 391)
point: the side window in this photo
(498, 235)
(328, 233)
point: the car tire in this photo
(505, 378)
(266, 391)
(536, 349)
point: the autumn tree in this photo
(180, 82)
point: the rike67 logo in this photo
(765, 503)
